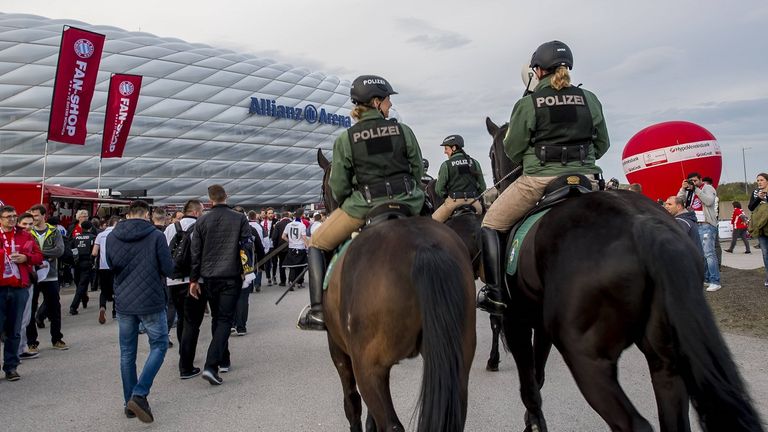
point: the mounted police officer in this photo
(558, 129)
(374, 162)
(460, 180)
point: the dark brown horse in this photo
(607, 270)
(403, 287)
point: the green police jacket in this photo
(522, 127)
(344, 183)
(455, 176)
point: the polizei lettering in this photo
(377, 132)
(310, 114)
(460, 162)
(72, 110)
(559, 100)
(125, 104)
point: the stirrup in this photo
(307, 321)
(487, 304)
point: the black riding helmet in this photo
(453, 140)
(552, 54)
(366, 87)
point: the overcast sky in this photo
(456, 62)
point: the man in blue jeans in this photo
(140, 259)
(701, 198)
(18, 254)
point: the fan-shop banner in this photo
(78, 66)
(121, 106)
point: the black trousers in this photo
(50, 293)
(241, 311)
(107, 284)
(222, 295)
(82, 279)
(191, 312)
(281, 260)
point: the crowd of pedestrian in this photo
(159, 271)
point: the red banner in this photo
(121, 106)
(79, 58)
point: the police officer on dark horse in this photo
(460, 180)
(599, 273)
(404, 287)
(375, 161)
(558, 129)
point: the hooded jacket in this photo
(140, 259)
(687, 221)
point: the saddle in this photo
(385, 212)
(380, 213)
(560, 189)
(462, 210)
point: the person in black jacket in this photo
(83, 242)
(675, 205)
(216, 241)
(278, 262)
(140, 259)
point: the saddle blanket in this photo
(513, 253)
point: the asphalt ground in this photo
(282, 379)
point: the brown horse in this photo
(607, 270)
(403, 287)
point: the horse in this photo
(403, 287)
(599, 273)
(467, 225)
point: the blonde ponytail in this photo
(358, 110)
(561, 78)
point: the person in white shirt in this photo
(189, 310)
(317, 220)
(266, 242)
(295, 234)
(105, 275)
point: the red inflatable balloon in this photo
(661, 156)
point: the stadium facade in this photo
(205, 116)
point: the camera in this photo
(690, 181)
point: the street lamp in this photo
(744, 162)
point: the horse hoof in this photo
(492, 367)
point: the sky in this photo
(455, 62)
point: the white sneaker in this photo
(713, 287)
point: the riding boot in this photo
(490, 298)
(314, 319)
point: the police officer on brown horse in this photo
(558, 129)
(375, 161)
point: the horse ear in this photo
(322, 160)
(491, 126)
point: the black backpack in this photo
(181, 246)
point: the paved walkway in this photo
(738, 259)
(282, 379)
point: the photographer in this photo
(701, 198)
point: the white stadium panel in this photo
(195, 124)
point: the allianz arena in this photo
(204, 116)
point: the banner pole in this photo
(45, 162)
(98, 181)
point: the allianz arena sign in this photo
(309, 113)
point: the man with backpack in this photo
(189, 310)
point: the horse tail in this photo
(712, 379)
(439, 281)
